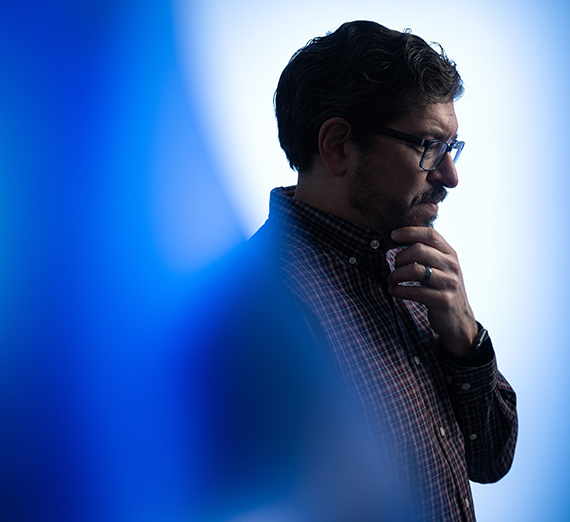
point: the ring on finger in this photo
(427, 276)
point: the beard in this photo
(386, 213)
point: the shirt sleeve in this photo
(485, 408)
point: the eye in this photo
(415, 146)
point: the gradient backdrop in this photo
(138, 145)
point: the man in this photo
(366, 117)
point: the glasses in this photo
(434, 150)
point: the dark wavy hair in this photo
(363, 72)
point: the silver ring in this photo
(427, 276)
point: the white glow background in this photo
(508, 217)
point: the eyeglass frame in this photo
(454, 144)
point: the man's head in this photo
(387, 188)
(363, 72)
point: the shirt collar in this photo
(349, 240)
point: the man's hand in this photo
(449, 312)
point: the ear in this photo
(335, 148)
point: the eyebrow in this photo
(438, 135)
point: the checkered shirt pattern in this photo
(446, 423)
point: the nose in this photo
(446, 173)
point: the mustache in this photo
(435, 195)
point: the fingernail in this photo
(395, 234)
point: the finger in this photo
(422, 254)
(426, 235)
(412, 272)
(421, 294)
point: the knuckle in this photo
(417, 251)
(454, 267)
(454, 286)
(420, 249)
(432, 235)
(450, 283)
(447, 301)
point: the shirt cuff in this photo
(473, 377)
(484, 355)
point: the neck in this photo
(328, 201)
(322, 192)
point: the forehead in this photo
(436, 120)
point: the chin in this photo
(424, 221)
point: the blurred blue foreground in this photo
(135, 383)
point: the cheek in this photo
(405, 189)
(399, 178)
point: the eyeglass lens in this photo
(436, 151)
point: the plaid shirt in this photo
(447, 423)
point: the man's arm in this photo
(483, 401)
(485, 409)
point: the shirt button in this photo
(352, 260)
(442, 432)
(417, 360)
(375, 244)
(473, 436)
(466, 386)
(467, 505)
